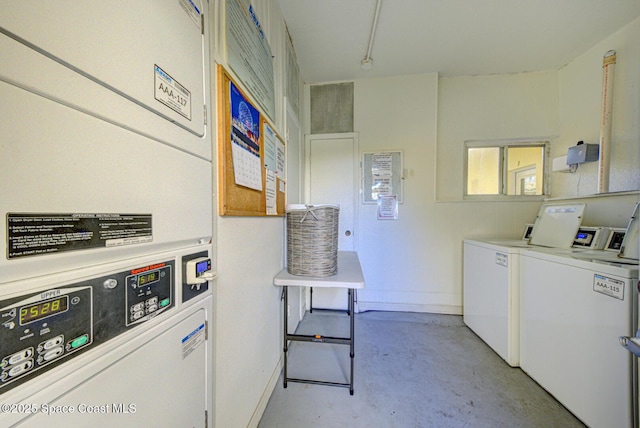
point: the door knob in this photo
(347, 233)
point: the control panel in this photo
(196, 274)
(614, 242)
(149, 292)
(40, 330)
(527, 231)
(593, 238)
(44, 328)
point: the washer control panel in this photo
(41, 330)
(149, 292)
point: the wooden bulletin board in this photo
(237, 199)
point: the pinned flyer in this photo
(387, 207)
(270, 193)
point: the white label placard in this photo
(193, 11)
(191, 341)
(171, 93)
(502, 259)
(609, 286)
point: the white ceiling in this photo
(450, 37)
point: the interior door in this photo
(332, 167)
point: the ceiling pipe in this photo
(367, 62)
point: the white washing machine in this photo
(572, 310)
(491, 295)
(106, 209)
(491, 277)
(126, 345)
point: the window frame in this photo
(504, 145)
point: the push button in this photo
(54, 353)
(20, 368)
(20, 356)
(51, 343)
(79, 341)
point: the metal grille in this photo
(332, 108)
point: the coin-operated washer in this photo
(105, 349)
(106, 185)
(574, 306)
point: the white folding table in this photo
(349, 276)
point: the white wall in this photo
(248, 321)
(415, 262)
(396, 255)
(495, 107)
(580, 105)
(248, 311)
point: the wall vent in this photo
(332, 108)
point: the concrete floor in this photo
(411, 370)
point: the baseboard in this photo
(408, 307)
(264, 399)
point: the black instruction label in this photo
(37, 234)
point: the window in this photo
(505, 169)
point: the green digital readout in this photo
(44, 309)
(148, 278)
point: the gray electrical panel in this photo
(583, 153)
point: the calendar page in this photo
(245, 141)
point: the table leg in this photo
(285, 332)
(352, 331)
(348, 300)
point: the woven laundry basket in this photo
(312, 240)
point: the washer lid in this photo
(557, 225)
(630, 248)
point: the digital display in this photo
(40, 310)
(203, 267)
(148, 278)
(582, 235)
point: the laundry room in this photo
(153, 154)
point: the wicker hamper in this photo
(312, 240)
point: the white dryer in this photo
(572, 310)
